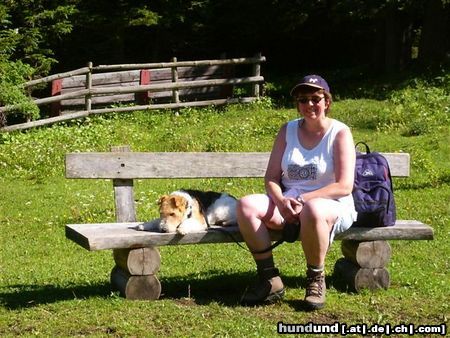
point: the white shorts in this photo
(346, 215)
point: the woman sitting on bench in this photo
(309, 180)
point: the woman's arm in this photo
(272, 179)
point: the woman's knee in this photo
(310, 211)
(254, 208)
(314, 213)
(248, 209)
(246, 206)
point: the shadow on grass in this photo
(222, 288)
(201, 289)
(212, 286)
(25, 296)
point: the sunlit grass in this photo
(49, 286)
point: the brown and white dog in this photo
(187, 211)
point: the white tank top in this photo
(310, 169)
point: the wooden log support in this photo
(141, 261)
(373, 254)
(364, 265)
(123, 195)
(123, 192)
(146, 287)
(134, 274)
(357, 278)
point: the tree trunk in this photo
(398, 40)
(434, 41)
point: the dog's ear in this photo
(178, 201)
(162, 199)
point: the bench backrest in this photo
(123, 167)
(135, 165)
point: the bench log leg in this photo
(134, 275)
(364, 265)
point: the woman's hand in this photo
(290, 209)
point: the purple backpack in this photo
(373, 191)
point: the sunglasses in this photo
(306, 99)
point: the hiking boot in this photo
(315, 289)
(266, 290)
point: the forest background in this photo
(348, 41)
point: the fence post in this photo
(175, 93)
(55, 107)
(87, 98)
(256, 72)
(228, 73)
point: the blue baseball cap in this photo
(315, 81)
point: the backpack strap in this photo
(364, 144)
(291, 232)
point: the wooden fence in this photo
(176, 84)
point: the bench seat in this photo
(102, 236)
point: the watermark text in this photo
(362, 329)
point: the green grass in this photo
(49, 286)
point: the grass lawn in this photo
(49, 286)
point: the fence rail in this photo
(92, 91)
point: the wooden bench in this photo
(366, 252)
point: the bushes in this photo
(362, 113)
(12, 76)
(419, 108)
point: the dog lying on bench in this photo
(186, 211)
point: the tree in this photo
(28, 28)
(435, 40)
(37, 24)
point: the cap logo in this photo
(313, 80)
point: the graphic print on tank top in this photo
(307, 172)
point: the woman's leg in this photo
(255, 213)
(317, 219)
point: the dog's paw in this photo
(167, 228)
(181, 231)
(190, 225)
(154, 225)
